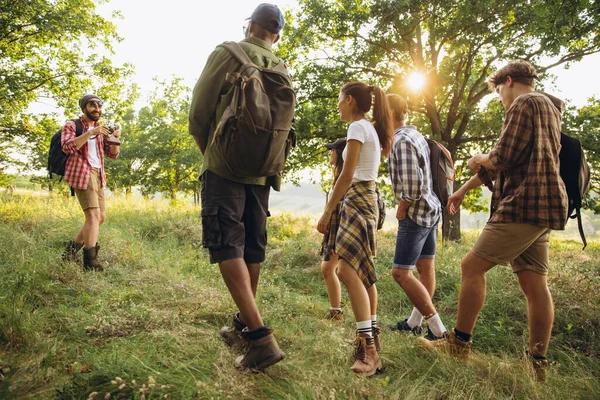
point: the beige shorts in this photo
(93, 196)
(524, 246)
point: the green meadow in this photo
(148, 326)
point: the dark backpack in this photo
(254, 135)
(442, 171)
(57, 159)
(575, 173)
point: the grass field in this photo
(148, 326)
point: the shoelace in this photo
(360, 349)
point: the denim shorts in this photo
(413, 241)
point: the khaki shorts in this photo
(93, 196)
(524, 246)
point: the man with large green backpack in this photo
(241, 118)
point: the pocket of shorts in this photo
(211, 230)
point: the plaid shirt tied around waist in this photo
(527, 186)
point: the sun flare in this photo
(416, 81)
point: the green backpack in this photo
(254, 135)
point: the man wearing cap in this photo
(234, 209)
(84, 172)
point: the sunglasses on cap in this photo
(98, 103)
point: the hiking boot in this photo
(367, 361)
(232, 335)
(262, 350)
(336, 315)
(537, 366)
(90, 261)
(402, 326)
(71, 250)
(449, 344)
(376, 333)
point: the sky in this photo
(175, 37)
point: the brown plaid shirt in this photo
(527, 184)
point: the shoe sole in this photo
(264, 364)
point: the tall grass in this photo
(148, 326)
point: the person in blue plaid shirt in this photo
(418, 214)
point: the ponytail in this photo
(383, 121)
(382, 118)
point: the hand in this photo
(454, 201)
(99, 130)
(474, 163)
(401, 213)
(117, 132)
(323, 225)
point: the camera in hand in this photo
(111, 139)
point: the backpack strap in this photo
(237, 51)
(78, 127)
(580, 226)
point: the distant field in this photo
(152, 317)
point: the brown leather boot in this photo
(90, 262)
(449, 344)
(376, 333)
(71, 250)
(367, 361)
(262, 350)
(336, 315)
(232, 335)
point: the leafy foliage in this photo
(455, 45)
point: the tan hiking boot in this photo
(336, 315)
(232, 335)
(367, 361)
(376, 333)
(449, 344)
(537, 367)
(262, 350)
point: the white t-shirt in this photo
(93, 157)
(370, 151)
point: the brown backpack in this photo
(254, 135)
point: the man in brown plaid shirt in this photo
(528, 200)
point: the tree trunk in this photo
(450, 227)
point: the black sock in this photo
(465, 337)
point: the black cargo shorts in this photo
(234, 219)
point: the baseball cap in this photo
(269, 17)
(338, 144)
(86, 98)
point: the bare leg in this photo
(254, 271)
(334, 290)
(359, 298)
(89, 232)
(373, 299)
(472, 291)
(426, 270)
(414, 289)
(540, 310)
(236, 275)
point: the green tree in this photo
(584, 124)
(455, 45)
(170, 161)
(52, 49)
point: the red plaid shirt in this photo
(77, 170)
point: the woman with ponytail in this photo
(355, 242)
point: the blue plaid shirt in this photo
(410, 173)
